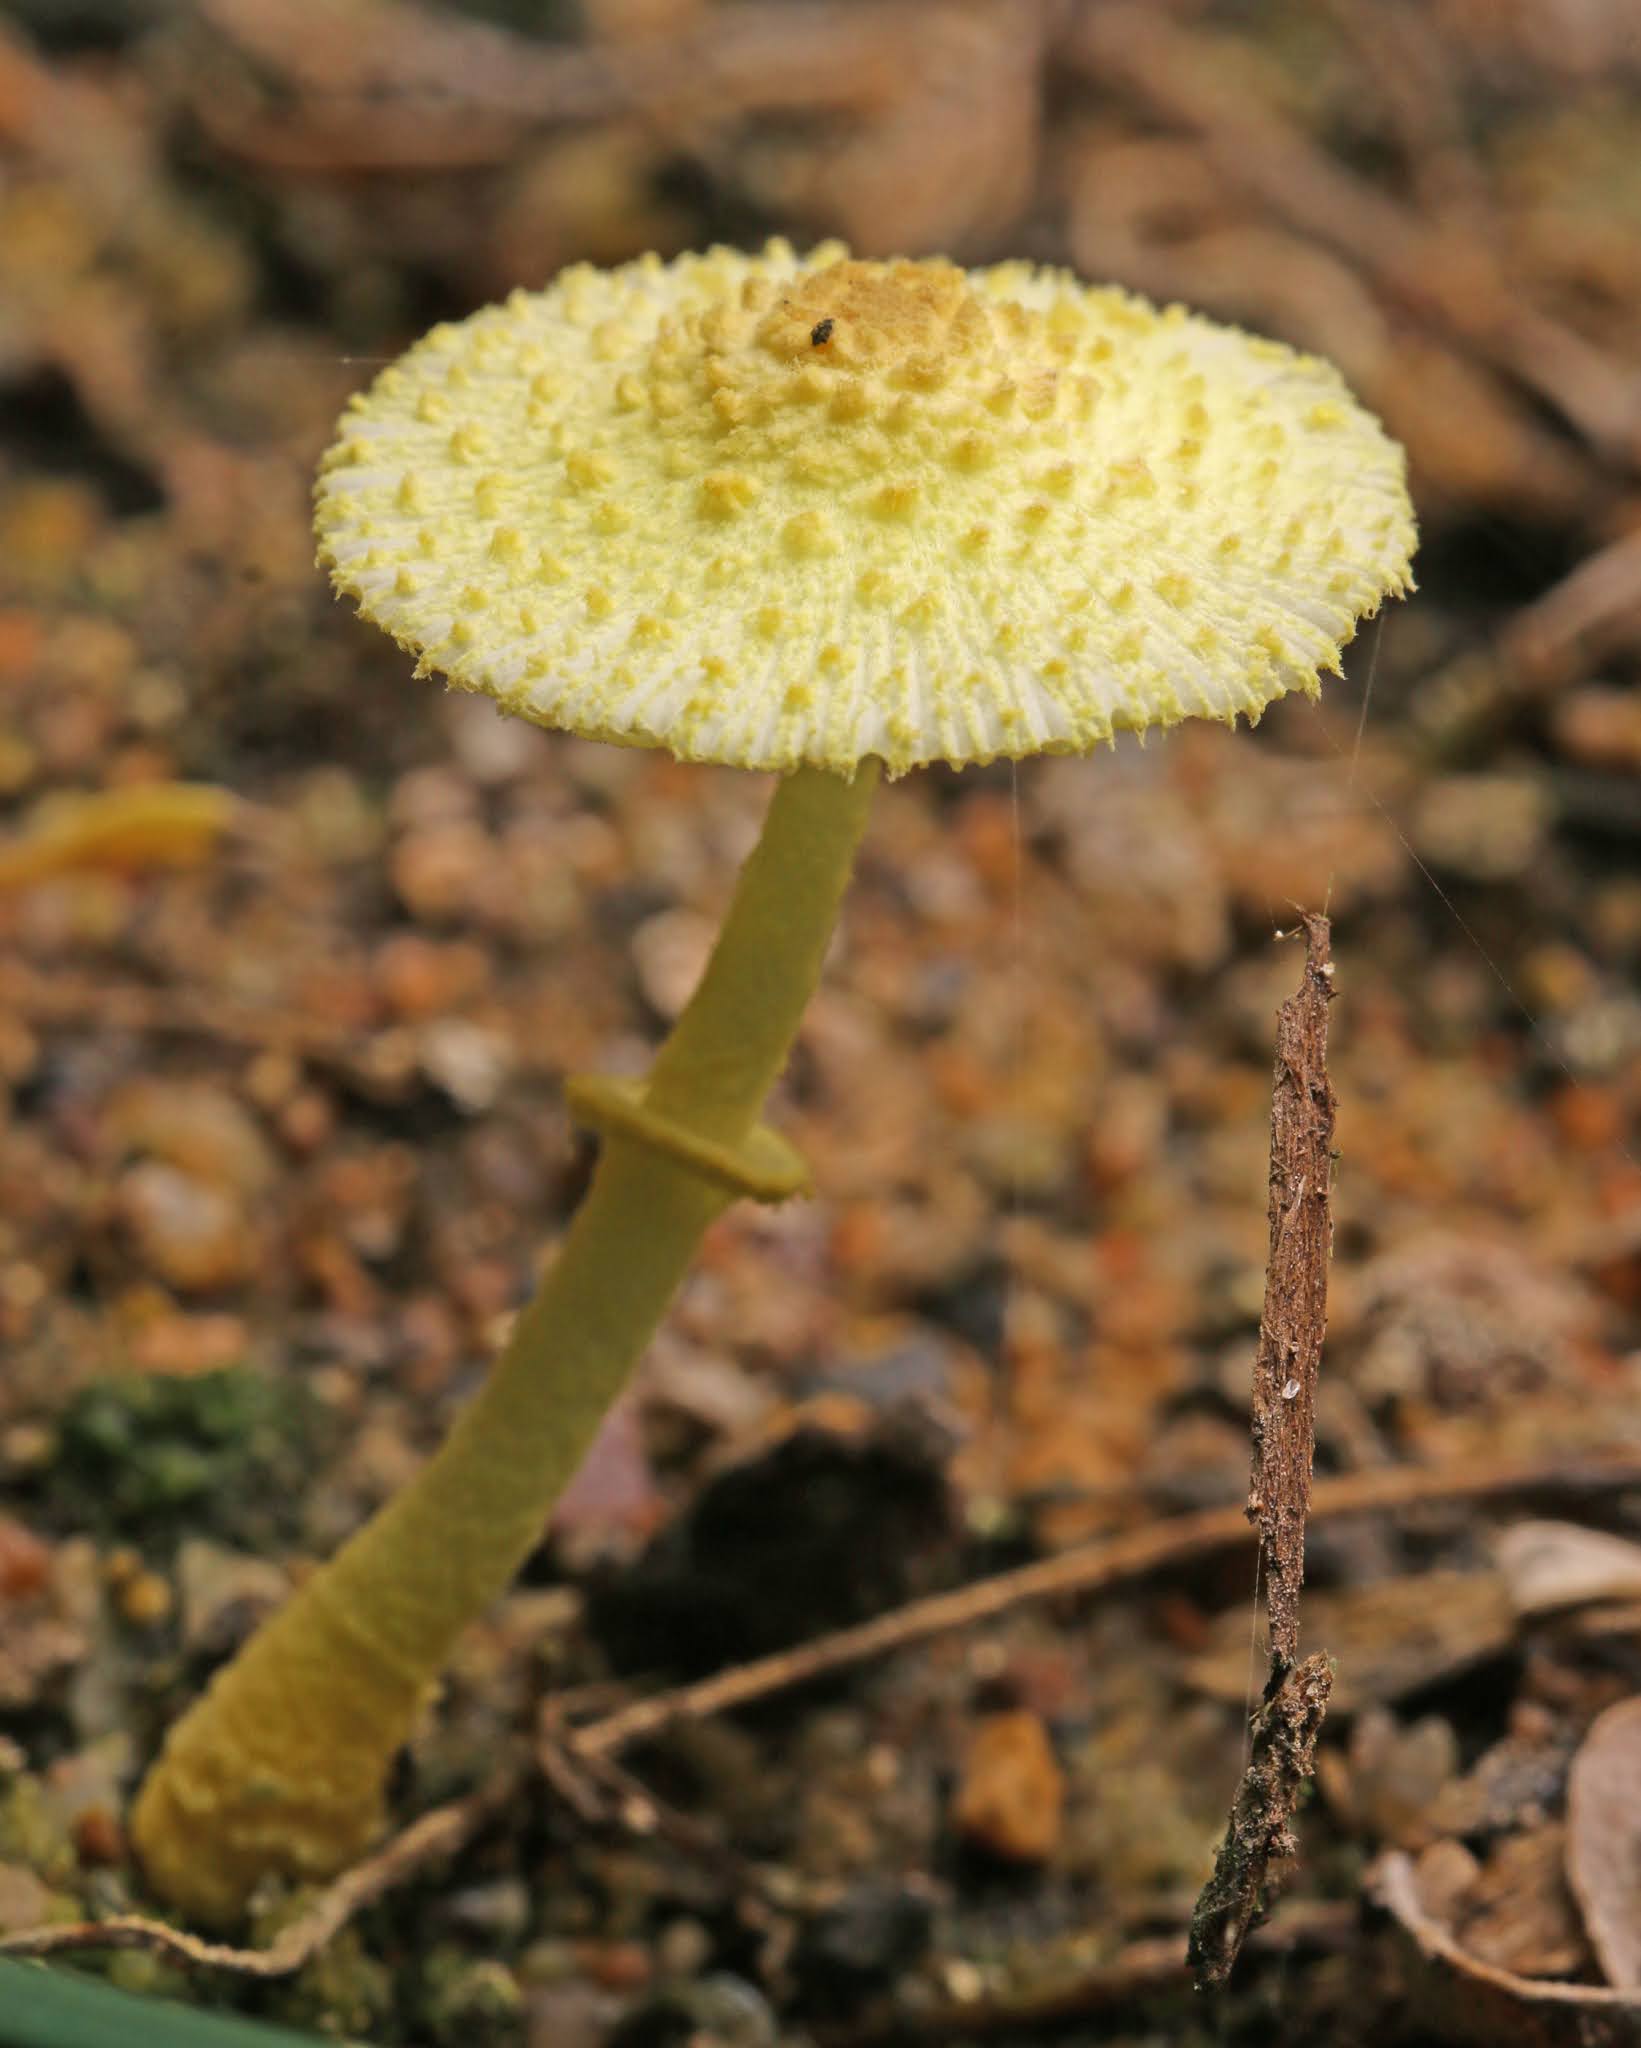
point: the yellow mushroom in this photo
(795, 513)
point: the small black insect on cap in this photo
(821, 333)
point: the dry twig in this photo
(1054, 1982)
(1562, 637)
(1295, 1316)
(1259, 1833)
(1445, 278)
(601, 1793)
(1091, 1567)
(439, 1833)
(404, 86)
(1394, 1883)
(1291, 1330)
(1579, 622)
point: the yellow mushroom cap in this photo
(772, 509)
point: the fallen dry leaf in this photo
(1388, 1640)
(1483, 2003)
(1553, 1565)
(1604, 1840)
(1518, 1915)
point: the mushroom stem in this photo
(281, 1765)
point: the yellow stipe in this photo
(280, 1767)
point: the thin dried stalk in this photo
(439, 1833)
(1295, 1320)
